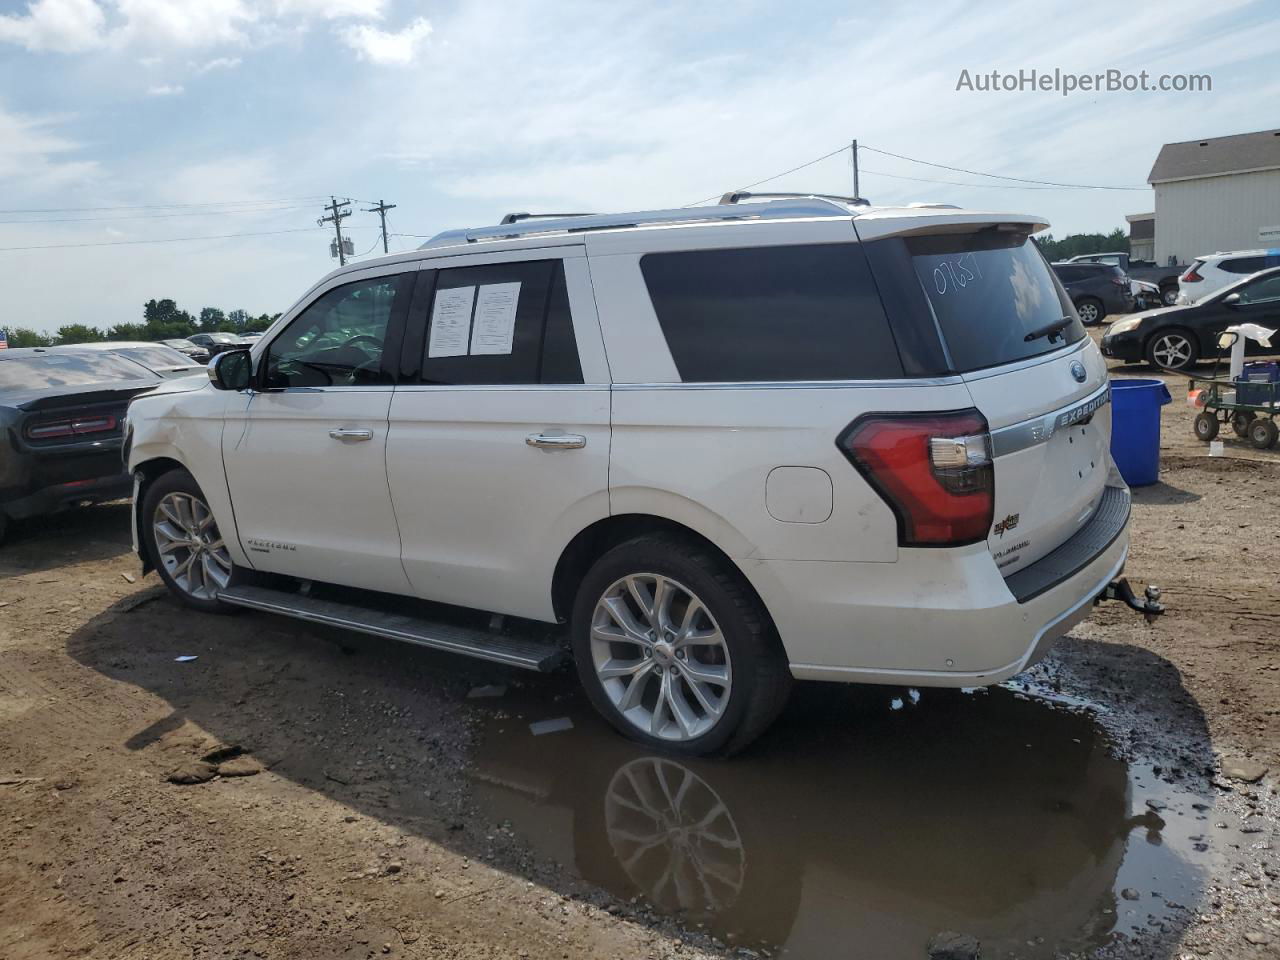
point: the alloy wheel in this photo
(189, 546)
(1170, 296)
(1088, 313)
(1171, 350)
(660, 657)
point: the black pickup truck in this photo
(1166, 278)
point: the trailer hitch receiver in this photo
(1119, 589)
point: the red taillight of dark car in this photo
(934, 470)
(80, 426)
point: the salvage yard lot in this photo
(396, 816)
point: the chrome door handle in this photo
(562, 441)
(350, 433)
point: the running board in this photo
(514, 651)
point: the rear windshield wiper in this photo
(1050, 330)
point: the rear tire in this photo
(675, 650)
(1263, 433)
(1091, 311)
(185, 544)
(1169, 295)
(1240, 423)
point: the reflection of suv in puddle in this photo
(881, 831)
(729, 446)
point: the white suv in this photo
(776, 438)
(1213, 271)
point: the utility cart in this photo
(1248, 402)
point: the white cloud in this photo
(165, 90)
(183, 23)
(332, 9)
(217, 63)
(388, 47)
(31, 152)
(59, 26)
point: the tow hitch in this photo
(1119, 589)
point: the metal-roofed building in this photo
(1222, 193)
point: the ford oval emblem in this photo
(1078, 371)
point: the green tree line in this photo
(161, 320)
(1075, 244)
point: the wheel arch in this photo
(147, 472)
(603, 535)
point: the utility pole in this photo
(381, 210)
(339, 213)
(853, 150)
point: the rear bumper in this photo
(943, 618)
(55, 497)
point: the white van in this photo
(728, 446)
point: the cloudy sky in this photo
(132, 120)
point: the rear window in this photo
(988, 291)
(756, 314)
(66, 370)
(1243, 264)
(156, 357)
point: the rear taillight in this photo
(1120, 281)
(934, 470)
(53, 429)
(1191, 276)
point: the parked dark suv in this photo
(1096, 289)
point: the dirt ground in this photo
(356, 833)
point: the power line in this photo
(774, 177)
(125, 243)
(998, 176)
(159, 216)
(956, 183)
(159, 206)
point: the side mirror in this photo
(231, 370)
(1232, 299)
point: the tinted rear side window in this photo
(988, 291)
(1243, 264)
(772, 313)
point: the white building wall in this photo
(1214, 213)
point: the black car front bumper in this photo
(1122, 346)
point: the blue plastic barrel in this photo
(1135, 429)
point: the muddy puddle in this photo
(856, 829)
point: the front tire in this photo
(675, 650)
(1206, 426)
(1263, 433)
(185, 544)
(1169, 296)
(1172, 350)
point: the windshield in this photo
(988, 291)
(66, 370)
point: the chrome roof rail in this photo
(771, 207)
(517, 217)
(737, 196)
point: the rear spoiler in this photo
(81, 396)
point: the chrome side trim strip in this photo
(1028, 433)
(1059, 354)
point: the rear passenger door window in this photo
(500, 323)
(757, 314)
